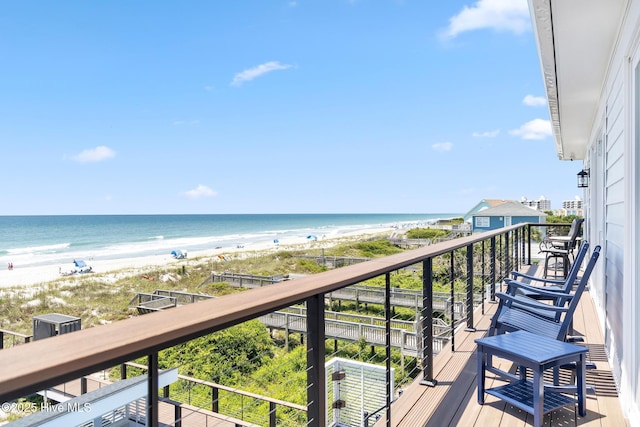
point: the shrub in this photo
(377, 248)
(309, 266)
(222, 356)
(426, 233)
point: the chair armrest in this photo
(559, 238)
(551, 294)
(536, 289)
(555, 251)
(517, 274)
(528, 302)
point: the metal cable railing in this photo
(453, 264)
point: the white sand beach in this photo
(26, 276)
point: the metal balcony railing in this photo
(474, 262)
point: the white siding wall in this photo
(634, 256)
(612, 206)
(615, 219)
(632, 345)
(634, 232)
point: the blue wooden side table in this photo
(538, 353)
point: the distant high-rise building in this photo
(572, 204)
(542, 204)
(573, 207)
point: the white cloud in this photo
(97, 154)
(487, 134)
(201, 191)
(499, 15)
(252, 73)
(534, 101)
(186, 122)
(535, 129)
(442, 146)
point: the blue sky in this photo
(254, 106)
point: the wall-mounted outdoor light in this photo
(583, 178)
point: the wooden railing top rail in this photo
(17, 334)
(47, 362)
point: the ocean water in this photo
(43, 240)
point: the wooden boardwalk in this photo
(360, 294)
(453, 401)
(404, 335)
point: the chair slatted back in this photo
(573, 304)
(574, 232)
(564, 288)
(575, 267)
(514, 317)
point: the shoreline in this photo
(123, 267)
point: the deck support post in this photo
(492, 269)
(152, 390)
(484, 279)
(215, 399)
(272, 414)
(452, 311)
(529, 243)
(507, 255)
(470, 327)
(427, 323)
(177, 414)
(387, 331)
(516, 247)
(316, 416)
(500, 253)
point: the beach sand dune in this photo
(26, 276)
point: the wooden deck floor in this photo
(453, 401)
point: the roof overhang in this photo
(576, 39)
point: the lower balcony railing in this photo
(469, 266)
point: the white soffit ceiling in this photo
(575, 40)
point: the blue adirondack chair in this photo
(516, 284)
(517, 312)
(557, 291)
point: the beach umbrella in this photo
(177, 253)
(312, 237)
(79, 263)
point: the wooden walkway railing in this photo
(357, 293)
(405, 335)
(10, 338)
